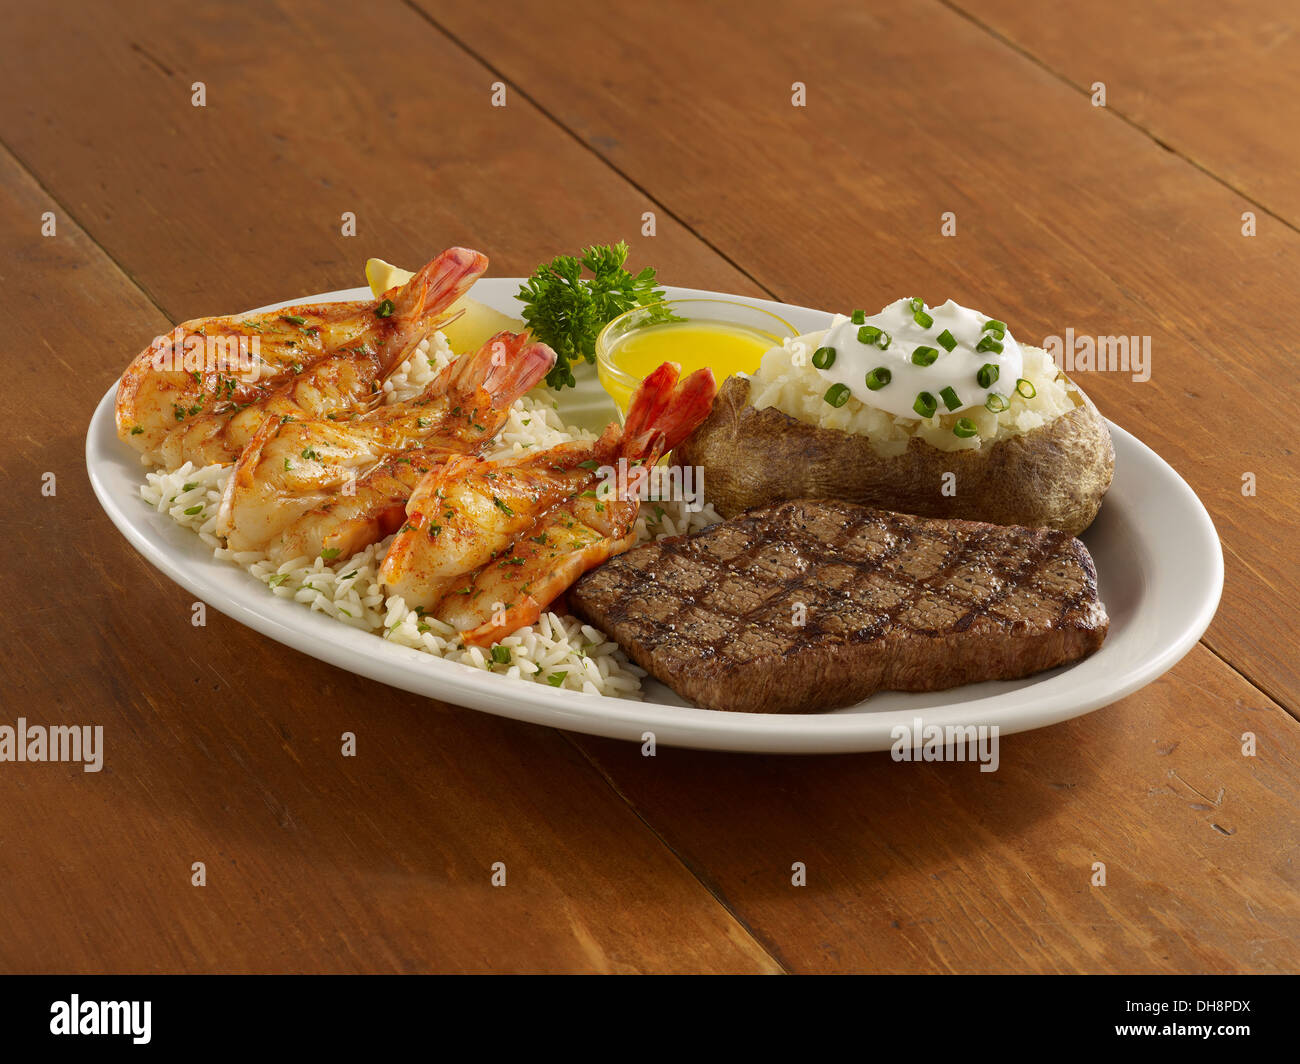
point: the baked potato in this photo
(1051, 476)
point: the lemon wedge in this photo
(477, 322)
(381, 276)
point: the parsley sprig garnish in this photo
(566, 311)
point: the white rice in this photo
(800, 391)
(559, 651)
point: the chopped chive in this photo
(824, 357)
(1000, 326)
(310, 454)
(293, 319)
(837, 395)
(330, 553)
(287, 466)
(858, 317)
(922, 319)
(987, 374)
(916, 303)
(965, 428)
(556, 678)
(189, 487)
(1026, 388)
(502, 507)
(277, 580)
(947, 341)
(995, 403)
(501, 655)
(385, 308)
(194, 510)
(950, 398)
(924, 356)
(987, 343)
(869, 334)
(878, 378)
(590, 463)
(136, 430)
(925, 404)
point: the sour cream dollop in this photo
(858, 352)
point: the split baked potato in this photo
(1051, 476)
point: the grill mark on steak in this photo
(892, 601)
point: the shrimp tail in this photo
(664, 411)
(505, 367)
(512, 378)
(649, 403)
(439, 284)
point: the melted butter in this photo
(723, 347)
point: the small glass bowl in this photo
(621, 382)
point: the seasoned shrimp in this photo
(305, 486)
(487, 546)
(201, 392)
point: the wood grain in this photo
(1213, 82)
(941, 868)
(1066, 218)
(225, 748)
(312, 111)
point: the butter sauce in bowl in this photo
(727, 337)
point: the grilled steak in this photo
(808, 605)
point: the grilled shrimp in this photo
(199, 393)
(312, 486)
(487, 546)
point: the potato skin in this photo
(1051, 477)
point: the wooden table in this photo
(223, 747)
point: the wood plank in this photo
(312, 110)
(1067, 218)
(225, 748)
(1214, 82)
(935, 868)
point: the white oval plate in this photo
(1159, 565)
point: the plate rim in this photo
(684, 726)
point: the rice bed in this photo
(559, 651)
